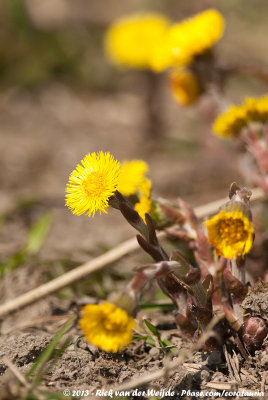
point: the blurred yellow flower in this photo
(183, 41)
(257, 109)
(184, 85)
(131, 176)
(230, 232)
(145, 201)
(92, 184)
(107, 326)
(231, 122)
(130, 41)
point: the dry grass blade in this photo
(16, 372)
(38, 321)
(231, 385)
(263, 380)
(249, 376)
(228, 358)
(99, 262)
(235, 365)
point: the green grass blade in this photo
(152, 329)
(47, 353)
(38, 233)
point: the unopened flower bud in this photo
(254, 331)
(192, 276)
(125, 301)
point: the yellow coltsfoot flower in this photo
(131, 176)
(131, 40)
(184, 85)
(107, 326)
(231, 122)
(92, 184)
(145, 200)
(183, 41)
(132, 181)
(231, 231)
(257, 109)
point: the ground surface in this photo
(84, 367)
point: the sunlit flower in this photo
(107, 326)
(231, 122)
(145, 201)
(184, 85)
(92, 184)
(231, 231)
(184, 41)
(131, 40)
(132, 181)
(257, 109)
(132, 176)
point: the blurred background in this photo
(61, 99)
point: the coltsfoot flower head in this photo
(184, 85)
(107, 326)
(231, 122)
(132, 176)
(257, 109)
(145, 200)
(132, 181)
(231, 230)
(131, 40)
(188, 39)
(92, 184)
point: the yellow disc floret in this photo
(92, 184)
(231, 233)
(107, 326)
(130, 41)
